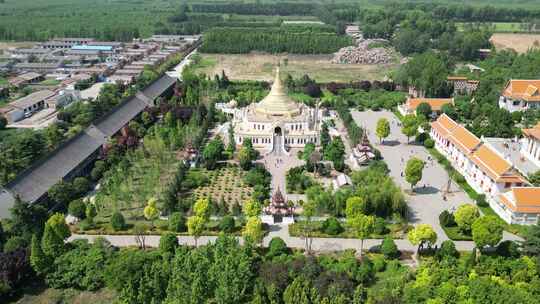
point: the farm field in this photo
(259, 66)
(518, 42)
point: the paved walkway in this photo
(427, 203)
(318, 245)
(278, 164)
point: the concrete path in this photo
(427, 203)
(278, 164)
(318, 245)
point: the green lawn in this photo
(3, 81)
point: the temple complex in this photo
(277, 123)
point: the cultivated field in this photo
(518, 42)
(258, 66)
(225, 184)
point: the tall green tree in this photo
(410, 126)
(195, 225)
(325, 135)
(335, 152)
(413, 171)
(253, 230)
(212, 153)
(54, 234)
(424, 110)
(421, 235)
(252, 208)
(362, 225)
(531, 244)
(383, 129)
(39, 261)
(300, 291)
(487, 231)
(465, 216)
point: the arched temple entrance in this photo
(277, 131)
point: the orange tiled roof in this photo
(533, 132)
(444, 125)
(522, 199)
(447, 122)
(439, 128)
(464, 139)
(528, 90)
(490, 162)
(435, 103)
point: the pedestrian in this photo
(401, 173)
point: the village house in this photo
(38, 67)
(410, 106)
(62, 98)
(520, 95)
(484, 169)
(65, 43)
(25, 79)
(74, 155)
(25, 53)
(26, 106)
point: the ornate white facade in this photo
(277, 122)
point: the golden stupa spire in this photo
(277, 102)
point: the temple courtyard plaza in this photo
(427, 203)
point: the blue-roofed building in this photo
(107, 49)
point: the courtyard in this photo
(427, 202)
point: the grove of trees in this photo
(245, 40)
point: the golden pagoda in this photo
(277, 122)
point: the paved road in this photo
(427, 203)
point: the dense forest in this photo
(277, 8)
(123, 20)
(244, 40)
(226, 272)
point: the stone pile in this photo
(362, 54)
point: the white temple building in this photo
(277, 123)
